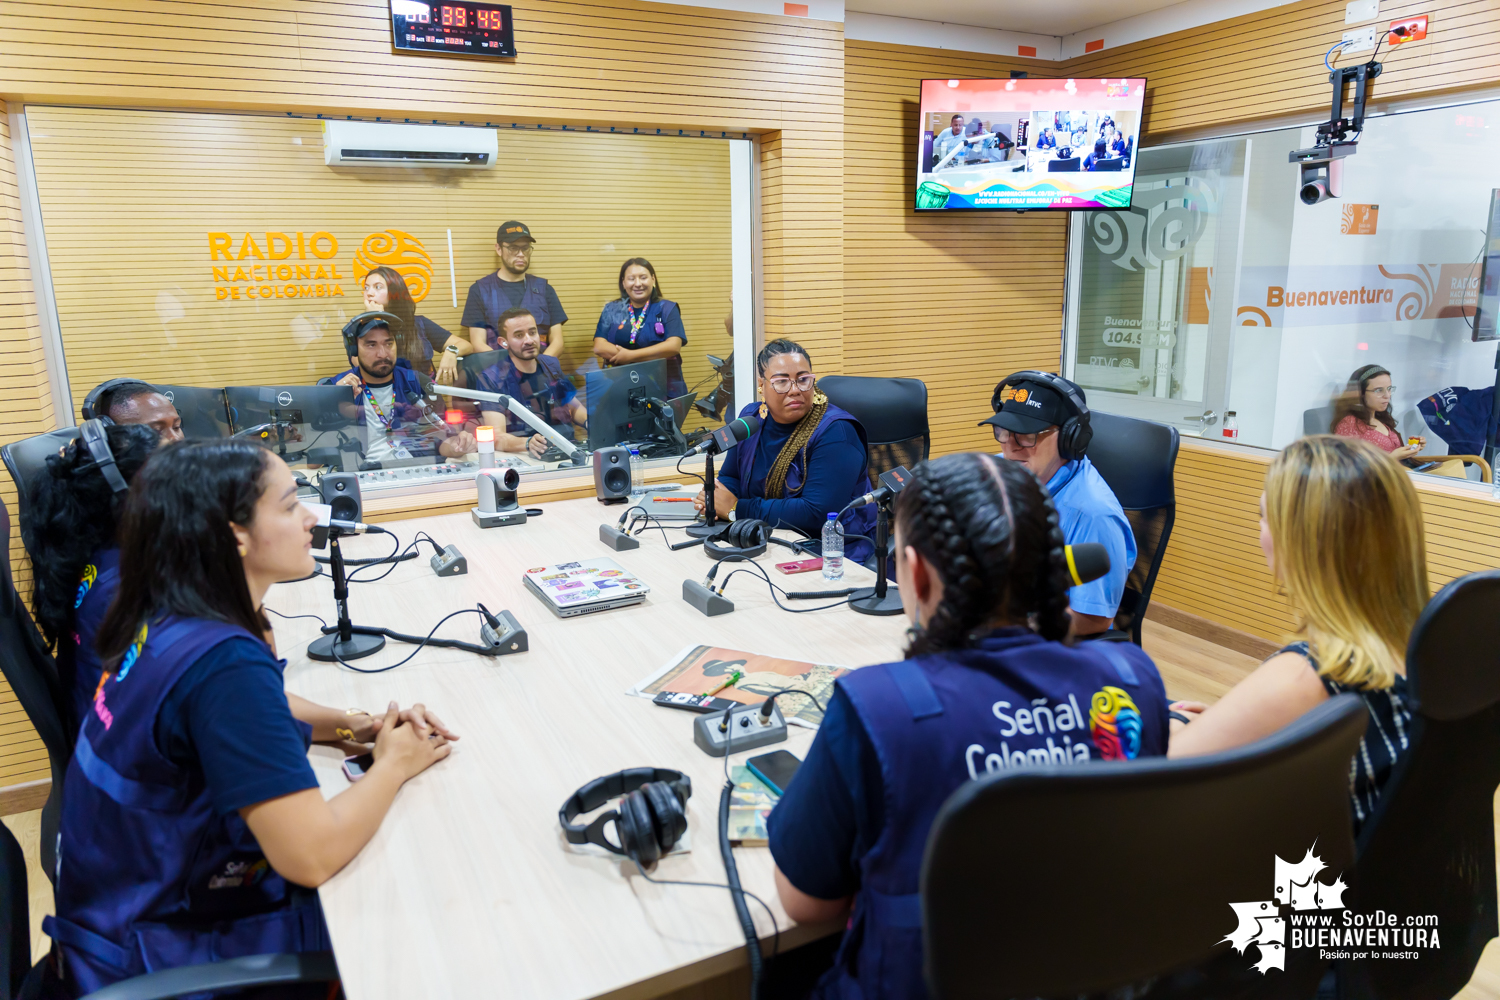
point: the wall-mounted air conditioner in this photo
(347, 143)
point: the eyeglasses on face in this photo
(1010, 437)
(783, 384)
(1385, 393)
(519, 249)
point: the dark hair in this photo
(989, 529)
(70, 514)
(778, 346)
(398, 302)
(178, 554)
(509, 315)
(655, 285)
(1352, 400)
(122, 394)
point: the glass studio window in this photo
(205, 251)
(1219, 292)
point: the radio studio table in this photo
(468, 889)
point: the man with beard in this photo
(388, 400)
(513, 287)
(524, 373)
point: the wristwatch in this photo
(451, 348)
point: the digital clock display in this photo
(458, 26)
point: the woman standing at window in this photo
(642, 326)
(1364, 412)
(419, 337)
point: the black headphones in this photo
(356, 327)
(91, 401)
(1077, 431)
(744, 539)
(92, 436)
(651, 819)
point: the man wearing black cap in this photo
(1042, 421)
(512, 287)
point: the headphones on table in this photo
(91, 401)
(1077, 431)
(650, 821)
(356, 327)
(738, 539)
(93, 437)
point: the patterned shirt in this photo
(1353, 427)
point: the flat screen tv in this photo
(1024, 144)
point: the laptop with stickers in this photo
(583, 587)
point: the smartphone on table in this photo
(776, 769)
(355, 767)
(800, 566)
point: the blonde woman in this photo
(1342, 532)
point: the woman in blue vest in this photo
(989, 685)
(807, 460)
(69, 530)
(192, 826)
(642, 326)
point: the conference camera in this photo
(1320, 171)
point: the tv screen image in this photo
(1028, 144)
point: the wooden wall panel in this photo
(958, 299)
(156, 312)
(1269, 63)
(25, 409)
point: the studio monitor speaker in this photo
(341, 492)
(612, 474)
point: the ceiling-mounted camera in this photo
(1321, 167)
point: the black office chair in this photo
(20, 980)
(26, 457)
(1107, 165)
(32, 675)
(1137, 458)
(1429, 848)
(893, 412)
(1317, 420)
(1071, 165)
(1071, 881)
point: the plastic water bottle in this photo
(637, 473)
(1231, 426)
(833, 549)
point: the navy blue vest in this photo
(79, 667)
(533, 300)
(149, 876)
(549, 404)
(937, 722)
(859, 521)
(614, 321)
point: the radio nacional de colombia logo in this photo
(301, 265)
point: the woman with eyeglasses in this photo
(808, 459)
(642, 326)
(1364, 412)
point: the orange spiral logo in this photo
(402, 253)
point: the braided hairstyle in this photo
(990, 531)
(72, 511)
(802, 434)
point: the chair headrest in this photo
(1136, 458)
(1452, 661)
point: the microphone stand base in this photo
(358, 645)
(865, 602)
(701, 530)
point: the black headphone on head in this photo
(91, 401)
(356, 327)
(740, 538)
(92, 435)
(1077, 431)
(650, 821)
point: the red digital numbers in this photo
(447, 17)
(459, 17)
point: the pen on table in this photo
(734, 678)
(671, 499)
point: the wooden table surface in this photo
(468, 889)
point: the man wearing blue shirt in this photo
(1035, 423)
(949, 139)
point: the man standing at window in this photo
(512, 287)
(1042, 421)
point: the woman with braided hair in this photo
(990, 683)
(807, 460)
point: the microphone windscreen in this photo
(1087, 561)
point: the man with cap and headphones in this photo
(513, 287)
(1042, 421)
(389, 397)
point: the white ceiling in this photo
(1057, 17)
